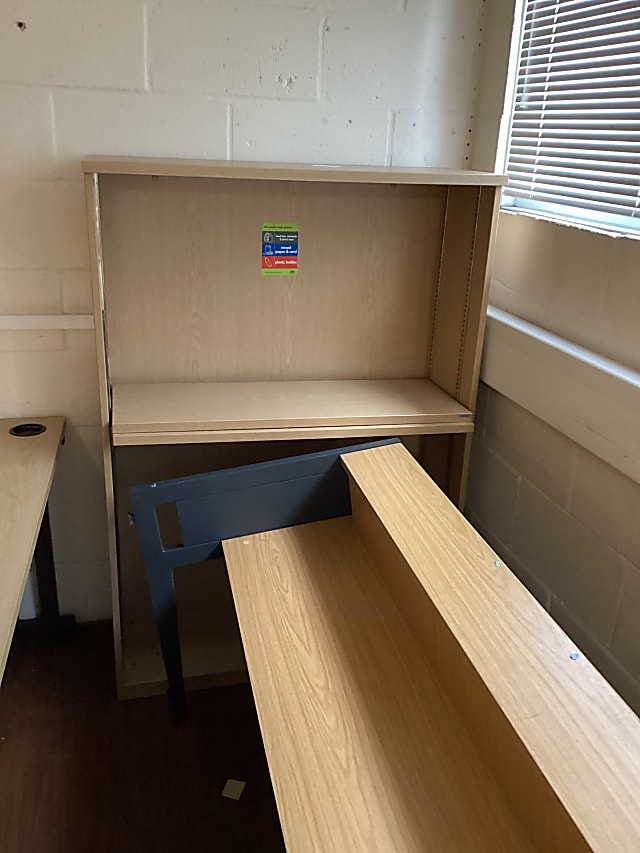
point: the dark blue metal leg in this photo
(163, 600)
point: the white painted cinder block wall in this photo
(358, 81)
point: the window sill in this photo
(580, 224)
(591, 399)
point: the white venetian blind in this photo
(575, 138)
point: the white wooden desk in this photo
(27, 464)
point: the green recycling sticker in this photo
(279, 248)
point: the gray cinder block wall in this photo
(568, 525)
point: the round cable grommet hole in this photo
(22, 430)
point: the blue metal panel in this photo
(226, 504)
(266, 506)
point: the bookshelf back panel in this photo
(186, 300)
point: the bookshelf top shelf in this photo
(155, 413)
(325, 173)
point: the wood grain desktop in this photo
(27, 464)
(365, 750)
(413, 695)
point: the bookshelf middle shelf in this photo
(175, 413)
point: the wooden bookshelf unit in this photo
(206, 363)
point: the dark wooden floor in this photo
(80, 771)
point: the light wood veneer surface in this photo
(26, 472)
(184, 407)
(180, 167)
(365, 751)
(583, 737)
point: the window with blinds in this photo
(574, 150)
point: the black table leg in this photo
(50, 620)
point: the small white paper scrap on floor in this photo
(233, 789)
